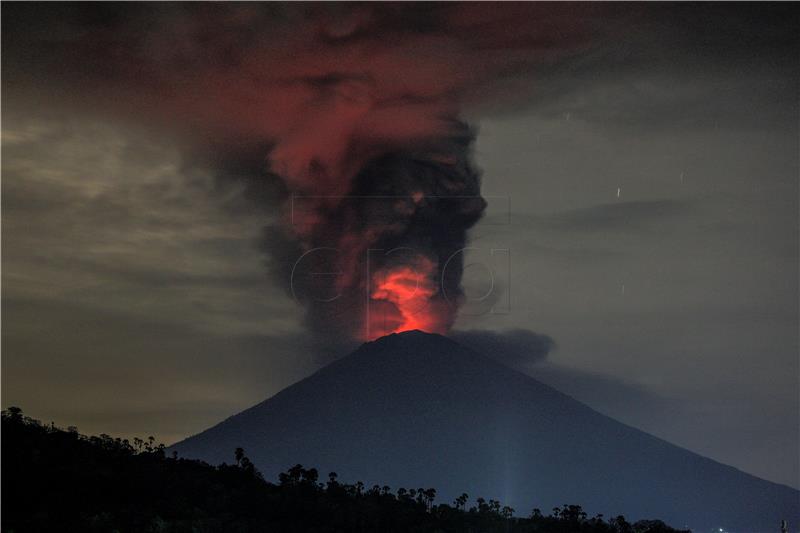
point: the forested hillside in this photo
(60, 480)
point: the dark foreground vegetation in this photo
(59, 480)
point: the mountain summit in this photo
(419, 410)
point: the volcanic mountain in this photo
(420, 410)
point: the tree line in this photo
(56, 479)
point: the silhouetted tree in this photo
(461, 501)
(63, 481)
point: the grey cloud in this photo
(514, 347)
(85, 221)
(121, 372)
(726, 67)
(631, 216)
(611, 395)
(529, 352)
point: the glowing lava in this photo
(404, 297)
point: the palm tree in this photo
(461, 501)
(238, 454)
(430, 495)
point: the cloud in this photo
(86, 221)
(349, 104)
(131, 375)
(612, 395)
(630, 216)
(315, 77)
(514, 347)
(741, 74)
(529, 352)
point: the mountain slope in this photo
(419, 410)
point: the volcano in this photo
(420, 410)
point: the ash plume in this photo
(360, 111)
(389, 249)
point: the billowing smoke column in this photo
(360, 105)
(380, 251)
(376, 160)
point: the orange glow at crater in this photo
(403, 298)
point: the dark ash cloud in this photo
(350, 103)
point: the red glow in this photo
(402, 299)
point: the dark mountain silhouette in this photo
(416, 409)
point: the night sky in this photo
(639, 163)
